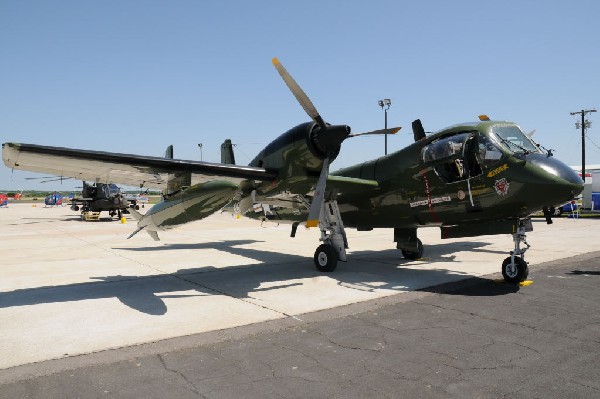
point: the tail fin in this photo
(227, 156)
(169, 152)
(418, 130)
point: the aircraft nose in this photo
(566, 182)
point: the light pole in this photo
(200, 146)
(584, 124)
(385, 105)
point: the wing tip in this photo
(275, 61)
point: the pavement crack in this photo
(190, 386)
(330, 340)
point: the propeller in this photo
(327, 138)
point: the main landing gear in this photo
(333, 237)
(514, 268)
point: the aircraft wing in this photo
(128, 169)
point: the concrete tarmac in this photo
(79, 293)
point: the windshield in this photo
(513, 138)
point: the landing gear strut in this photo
(514, 268)
(333, 237)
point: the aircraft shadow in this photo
(366, 271)
(584, 272)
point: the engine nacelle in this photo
(302, 149)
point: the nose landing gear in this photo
(333, 237)
(514, 268)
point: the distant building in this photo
(592, 184)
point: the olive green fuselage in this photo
(417, 188)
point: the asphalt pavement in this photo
(476, 338)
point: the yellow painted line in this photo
(521, 284)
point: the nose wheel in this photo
(326, 258)
(514, 268)
(333, 237)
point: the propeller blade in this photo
(300, 95)
(380, 131)
(314, 214)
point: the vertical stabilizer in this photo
(418, 131)
(169, 152)
(227, 156)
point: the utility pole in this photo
(386, 102)
(584, 124)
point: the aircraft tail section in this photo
(418, 130)
(227, 156)
(169, 152)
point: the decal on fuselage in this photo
(499, 169)
(501, 186)
(432, 201)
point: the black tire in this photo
(516, 273)
(325, 258)
(414, 255)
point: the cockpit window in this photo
(514, 139)
(445, 148)
(489, 153)
(451, 158)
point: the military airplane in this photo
(98, 197)
(485, 177)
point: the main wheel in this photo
(516, 272)
(556, 211)
(325, 258)
(414, 255)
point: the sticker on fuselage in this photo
(499, 169)
(461, 195)
(501, 186)
(433, 201)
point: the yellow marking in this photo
(521, 284)
(395, 130)
(484, 118)
(312, 223)
(499, 169)
(275, 61)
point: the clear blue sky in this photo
(136, 76)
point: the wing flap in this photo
(128, 169)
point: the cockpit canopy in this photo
(469, 152)
(512, 138)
